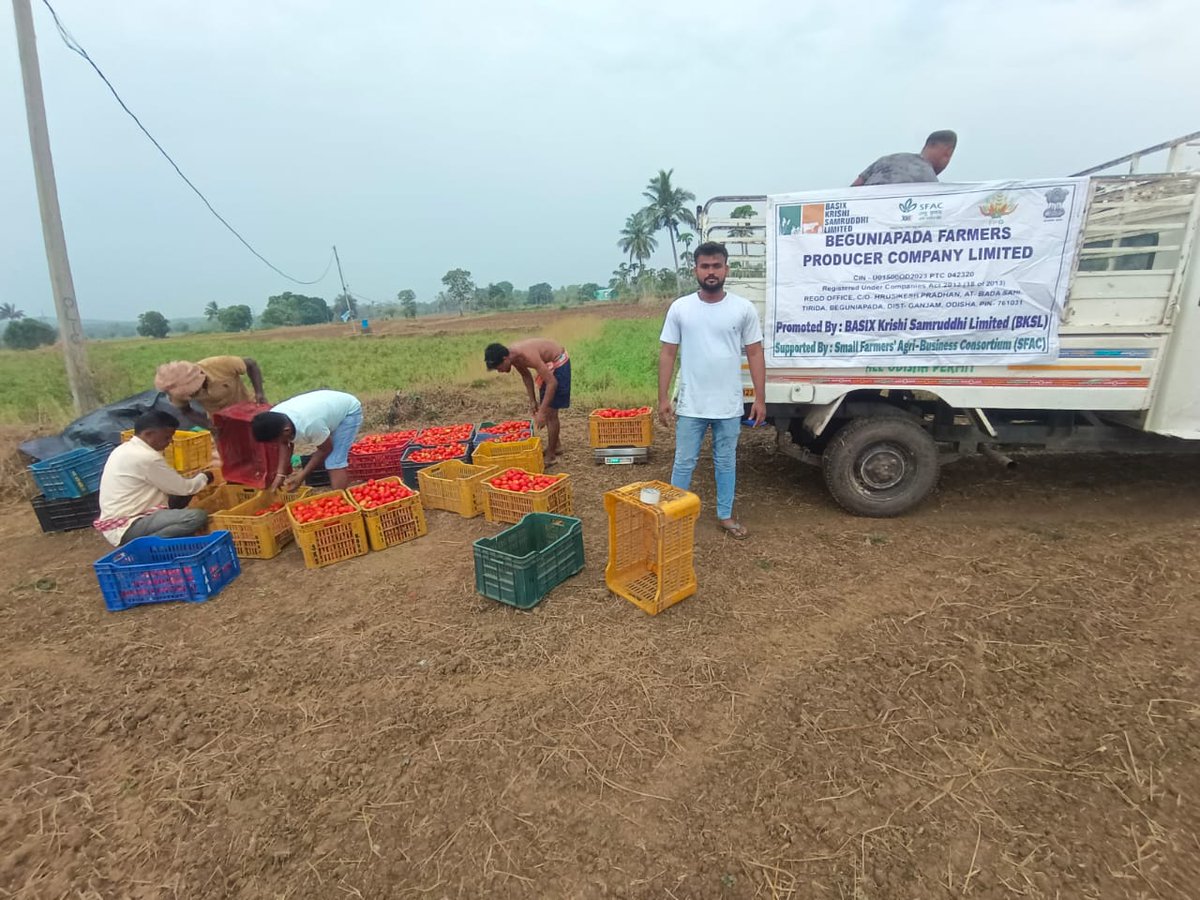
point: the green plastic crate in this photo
(526, 561)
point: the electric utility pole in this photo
(70, 329)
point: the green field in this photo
(614, 361)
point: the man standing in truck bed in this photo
(907, 168)
(553, 378)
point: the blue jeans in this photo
(689, 434)
(343, 437)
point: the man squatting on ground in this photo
(142, 496)
(553, 380)
(709, 330)
(322, 423)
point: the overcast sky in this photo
(512, 139)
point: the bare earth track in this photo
(993, 698)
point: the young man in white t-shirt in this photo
(709, 331)
(324, 423)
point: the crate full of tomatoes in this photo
(504, 432)
(378, 455)
(445, 434)
(418, 456)
(611, 427)
(259, 526)
(391, 510)
(513, 492)
(328, 528)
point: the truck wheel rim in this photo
(882, 467)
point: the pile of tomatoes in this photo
(444, 434)
(437, 454)
(622, 413)
(321, 508)
(380, 443)
(372, 494)
(273, 508)
(522, 482)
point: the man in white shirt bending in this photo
(709, 331)
(139, 492)
(323, 423)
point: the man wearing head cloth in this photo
(215, 383)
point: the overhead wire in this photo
(77, 48)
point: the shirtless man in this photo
(553, 378)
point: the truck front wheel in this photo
(880, 466)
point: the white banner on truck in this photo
(920, 274)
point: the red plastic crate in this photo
(369, 460)
(243, 459)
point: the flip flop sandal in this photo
(735, 530)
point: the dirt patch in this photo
(996, 697)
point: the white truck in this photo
(1127, 376)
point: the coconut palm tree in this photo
(669, 207)
(212, 311)
(10, 311)
(637, 238)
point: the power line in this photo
(76, 47)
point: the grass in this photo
(614, 361)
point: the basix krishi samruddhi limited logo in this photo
(997, 206)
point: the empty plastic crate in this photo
(73, 474)
(243, 459)
(522, 564)
(455, 486)
(650, 546)
(158, 570)
(66, 515)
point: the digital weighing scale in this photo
(620, 456)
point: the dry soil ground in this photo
(995, 697)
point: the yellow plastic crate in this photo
(255, 536)
(500, 505)
(454, 485)
(189, 451)
(393, 523)
(331, 540)
(219, 497)
(650, 547)
(635, 431)
(526, 454)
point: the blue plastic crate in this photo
(159, 570)
(73, 474)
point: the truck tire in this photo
(880, 466)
